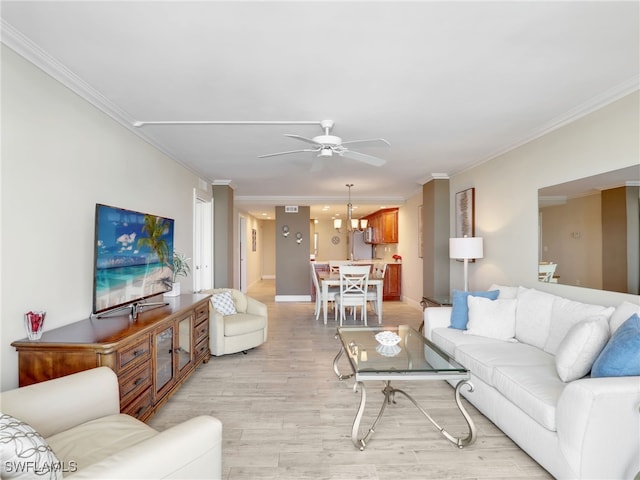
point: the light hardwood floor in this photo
(285, 414)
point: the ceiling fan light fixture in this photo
(325, 152)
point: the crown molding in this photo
(595, 103)
(26, 48)
(30, 51)
(311, 200)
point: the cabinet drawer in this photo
(201, 331)
(142, 407)
(135, 382)
(202, 348)
(134, 354)
(202, 313)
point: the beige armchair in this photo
(78, 417)
(239, 329)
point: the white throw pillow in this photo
(533, 316)
(223, 303)
(622, 313)
(565, 314)
(580, 347)
(492, 318)
(24, 452)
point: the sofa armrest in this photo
(216, 330)
(255, 307)
(436, 317)
(56, 405)
(598, 424)
(192, 449)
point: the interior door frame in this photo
(242, 250)
(203, 224)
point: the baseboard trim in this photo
(293, 298)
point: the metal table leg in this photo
(389, 397)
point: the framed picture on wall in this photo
(465, 213)
(254, 235)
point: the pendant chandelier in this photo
(353, 224)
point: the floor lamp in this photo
(466, 248)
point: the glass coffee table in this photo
(413, 358)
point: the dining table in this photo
(332, 279)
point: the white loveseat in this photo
(73, 426)
(580, 428)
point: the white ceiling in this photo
(448, 84)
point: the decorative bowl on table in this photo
(388, 350)
(388, 339)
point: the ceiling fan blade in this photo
(286, 153)
(380, 142)
(304, 139)
(363, 157)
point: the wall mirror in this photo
(589, 232)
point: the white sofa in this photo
(237, 322)
(580, 428)
(78, 417)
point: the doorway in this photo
(242, 236)
(202, 242)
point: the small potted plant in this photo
(179, 268)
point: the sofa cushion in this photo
(506, 292)
(242, 323)
(223, 303)
(621, 356)
(24, 453)
(492, 318)
(482, 359)
(580, 347)
(460, 312)
(93, 441)
(448, 339)
(565, 314)
(533, 316)
(535, 389)
(622, 314)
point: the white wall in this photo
(61, 156)
(507, 195)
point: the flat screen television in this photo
(133, 252)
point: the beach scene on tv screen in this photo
(133, 254)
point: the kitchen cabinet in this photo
(392, 282)
(385, 225)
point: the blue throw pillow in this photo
(460, 312)
(621, 356)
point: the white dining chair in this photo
(379, 270)
(331, 292)
(334, 265)
(546, 270)
(354, 282)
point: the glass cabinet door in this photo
(184, 341)
(164, 357)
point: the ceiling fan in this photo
(326, 145)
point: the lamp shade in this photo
(337, 223)
(466, 247)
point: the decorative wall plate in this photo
(335, 239)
